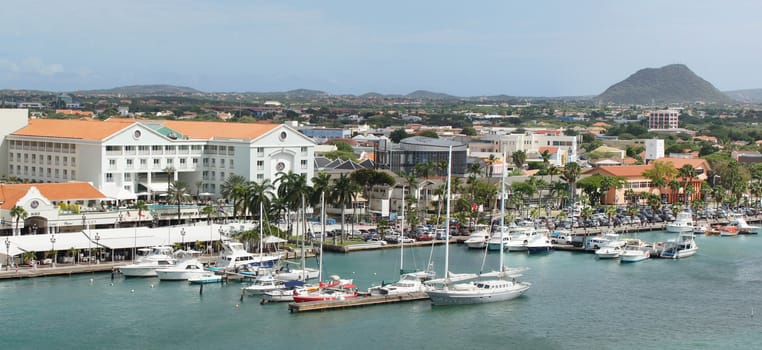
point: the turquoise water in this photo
(576, 302)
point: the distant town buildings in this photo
(664, 119)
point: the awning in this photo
(114, 192)
(160, 186)
(273, 240)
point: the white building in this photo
(564, 147)
(654, 150)
(139, 156)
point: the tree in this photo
(570, 174)
(468, 131)
(519, 158)
(342, 194)
(141, 206)
(424, 169)
(429, 133)
(290, 187)
(208, 211)
(475, 168)
(170, 175)
(660, 174)
(489, 164)
(369, 178)
(397, 135)
(178, 193)
(545, 155)
(19, 213)
(687, 172)
(234, 189)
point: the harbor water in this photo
(576, 302)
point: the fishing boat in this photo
(478, 239)
(264, 284)
(187, 267)
(631, 255)
(609, 252)
(683, 222)
(681, 247)
(155, 258)
(499, 285)
(539, 243)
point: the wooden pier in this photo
(355, 302)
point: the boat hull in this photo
(139, 271)
(457, 297)
(210, 278)
(539, 249)
(628, 257)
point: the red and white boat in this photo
(337, 289)
(729, 230)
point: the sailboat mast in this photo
(322, 235)
(502, 208)
(304, 236)
(402, 228)
(261, 230)
(447, 217)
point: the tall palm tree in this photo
(233, 189)
(321, 184)
(475, 169)
(519, 158)
(342, 194)
(490, 162)
(545, 155)
(199, 184)
(674, 186)
(290, 187)
(208, 211)
(442, 165)
(141, 206)
(660, 174)
(259, 194)
(687, 172)
(19, 213)
(170, 176)
(424, 169)
(571, 173)
(178, 194)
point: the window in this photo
(260, 151)
(231, 164)
(73, 174)
(170, 161)
(156, 163)
(260, 177)
(65, 173)
(73, 162)
(195, 161)
(109, 177)
(260, 165)
(127, 176)
(129, 163)
(183, 161)
(304, 163)
(112, 163)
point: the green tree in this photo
(519, 158)
(19, 213)
(397, 135)
(178, 194)
(343, 194)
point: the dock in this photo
(355, 302)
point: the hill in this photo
(428, 95)
(747, 96)
(674, 83)
(142, 90)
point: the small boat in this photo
(289, 274)
(539, 244)
(743, 226)
(234, 257)
(728, 231)
(208, 277)
(338, 289)
(478, 239)
(264, 284)
(681, 247)
(156, 258)
(608, 252)
(701, 230)
(184, 270)
(520, 236)
(631, 255)
(683, 222)
(287, 295)
(408, 283)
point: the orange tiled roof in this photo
(72, 129)
(207, 130)
(627, 171)
(10, 194)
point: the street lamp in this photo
(182, 234)
(97, 238)
(53, 245)
(7, 254)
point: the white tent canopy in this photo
(114, 192)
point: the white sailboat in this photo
(504, 286)
(410, 282)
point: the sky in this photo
(463, 48)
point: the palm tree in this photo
(687, 172)
(321, 184)
(674, 186)
(519, 158)
(141, 206)
(490, 162)
(610, 212)
(545, 155)
(342, 194)
(442, 165)
(424, 169)
(199, 184)
(18, 213)
(178, 193)
(474, 169)
(170, 172)
(208, 211)
(290, 188)
(660, 174)
(586, 214)
(570, 174)
(234, 189)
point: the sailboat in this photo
(409, 282)
(502, 286)
(303, 273)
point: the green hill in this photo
(674, 83)
(747, 96)
(156, 90)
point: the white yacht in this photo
(478, 239)
(609, 252)
(539, 243)
(155, 258)
(682, 247)
(408, 283)
(499, 241)
(235, 257)
(683, 223)
(264, 284)
(188, 266)
(519, 238)
(633, 254)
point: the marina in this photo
(569, 288)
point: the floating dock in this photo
(355, 302)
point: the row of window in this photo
(26, 170)
(156, 162)
(43, 159)
(41, 146)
